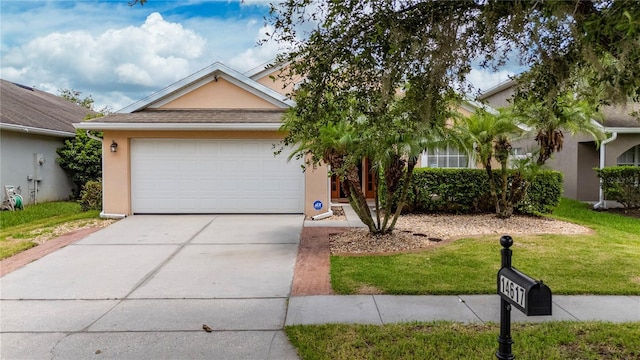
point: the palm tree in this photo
(489, 136)
(565, 113)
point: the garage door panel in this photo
(213, 176)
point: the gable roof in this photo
(615, 117)
(619, 118)
(203, 77)
(26, 109)
(264, 69)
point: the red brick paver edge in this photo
(19, 260)
(311, 273)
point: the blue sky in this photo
(120, 54)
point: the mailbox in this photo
(526, 294)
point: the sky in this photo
(119, 54)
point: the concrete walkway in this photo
(144, 287)
(385, 309)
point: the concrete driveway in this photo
(143, 287)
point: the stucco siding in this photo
(616, 148)
(271, 80)
(17, 163)
(566, 161)
(219, 94)
(500, 99)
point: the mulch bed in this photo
(633, 213)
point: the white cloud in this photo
(257, 55)
(150, 56)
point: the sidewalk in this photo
(384, 309)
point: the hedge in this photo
(622, 184)
(466, 191)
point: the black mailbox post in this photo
(517, 289)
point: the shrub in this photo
(450, 190)
(81, 159)
(622, 184)
(544, 193)
(91, 196)
(466, 191)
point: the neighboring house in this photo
(33, 124)
(206, 144)
(580, 155)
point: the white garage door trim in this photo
(175, 176)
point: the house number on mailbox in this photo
(513, 291)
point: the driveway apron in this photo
(144, 287)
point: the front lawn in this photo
(445, 340)
(607, 262)
(19, 229)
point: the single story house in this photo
(580, 155)
(206, 144)
(33, 124)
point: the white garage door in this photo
(213, 176)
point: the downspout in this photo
(322, 216)
(93, 137)
(601, 201)
(102, 213)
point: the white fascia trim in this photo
(141, 104)
(621, 130)
(271, 64)
(251, 86)
(182, 127)
(472, 105)
(263, 92)
(261, 71)
(497, 88)
(208, 73)
(37, 131)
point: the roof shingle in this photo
(221, 116)
(24, 106)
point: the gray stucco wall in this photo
(17, 162)
(578, 159)
(616, 148)
(587, 182)
(576, 162)
(566, 161)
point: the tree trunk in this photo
(504, 209)
(352, 188)
(492, 186)
(403, 195)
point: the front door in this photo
(367, 181)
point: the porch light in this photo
(114, 146)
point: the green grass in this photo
(607, 262)
(17, 228)
(445, 340)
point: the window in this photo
(516, 155)
(445, 158)
(630, 157)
